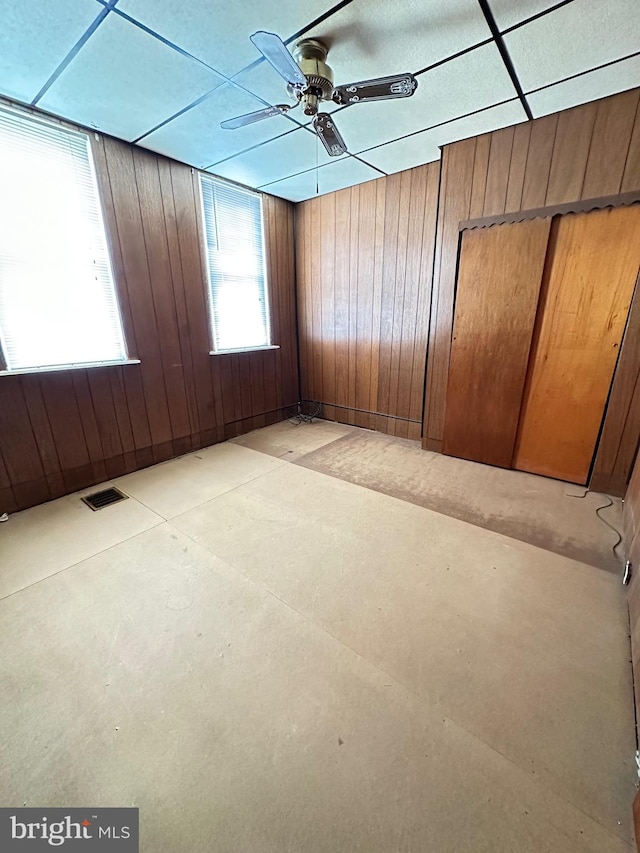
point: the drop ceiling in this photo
(164, 75)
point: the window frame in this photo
(203, 176)
(89, 137)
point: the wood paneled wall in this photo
(631, 541)
(586, 152)
(364, 266)
(64, 431)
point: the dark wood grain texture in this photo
(593, 264)
(364, 266)
(557, 159)
(499, 282)
(620, 436)
(631, 550)
(66, 430)
(457, 177)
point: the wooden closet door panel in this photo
(589, 281)
(499, 279)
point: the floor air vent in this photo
(99, 500)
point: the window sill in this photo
(62, 367)
(242, 349)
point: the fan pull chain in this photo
(317, 166)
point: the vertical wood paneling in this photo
(538, 167)
(194, 293)
(327, 307)
(479, 180)
(354, 276)
(365, 259)
(395, 403)
(631, 545)
(102, 402)
(315, 220)
(410, 310)
(303, 261)
(517, 167)
(423, 312)
(391, 223)
(65, 430)
(40, 424)
(619, 439)
(610, 145)
(376, 316)
(587, 151)
(341, 262)
(89, 422)
(570, 153)
(131, 434)
(120, 164)
(365, 285)
(458, 169)
(157, 254)
(631, 176)
(495, 195)
(182, 320)
(64, 416)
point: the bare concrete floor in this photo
(264, 658)
(554, 515)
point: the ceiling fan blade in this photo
(326, 129)
(249, 118)
(396, 86)
(275, 52)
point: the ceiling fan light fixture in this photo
(310, 81)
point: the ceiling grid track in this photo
(504, 53)
(298, 34)
(84, 38)
(500, 29)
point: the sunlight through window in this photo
(58, 304)
(235, 255)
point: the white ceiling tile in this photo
(196, 137)
(335, 176)
(473, 81)
(218, 33)
(424, 147)
(373, 38)
(503, 115)
(34, 39)
(274, 160)
(574, 38)
(588, 87)
(510, 12)
(404, 153)
(124, 81)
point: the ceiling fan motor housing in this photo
(310, 55)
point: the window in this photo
(235, 259)
(58, 305)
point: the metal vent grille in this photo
(99, 500)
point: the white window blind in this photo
(58, 304)
(235, 255)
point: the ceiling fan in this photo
(310, 81)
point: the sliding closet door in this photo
(589, 282)
(497, 293)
